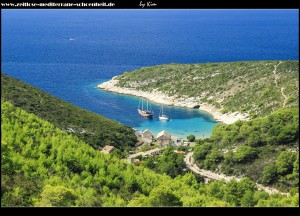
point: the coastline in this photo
(159, 97)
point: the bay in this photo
(69, 52)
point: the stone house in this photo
(164, 138)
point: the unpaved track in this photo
(190, 163)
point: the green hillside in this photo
(264, 149)
(256, 88)
(94, 129)
(42, 165)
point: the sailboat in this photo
(162, 116)
(148, 113)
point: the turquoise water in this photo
(37, 49)
(199, 126)
(182, 122)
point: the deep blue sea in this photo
(37, 49)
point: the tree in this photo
(49, 167)
(200, 151)
(57, 196)
(171, 163)
(114, 200)
(216, 189)
(288, 134)
(247, 199)
(296, 171)
(228, 158)
(254, 139)
(212, 159)
(189, 179)
(141, 201)
(245, 185)
(269, 174)
(191, 138)
(285, 162)
(149, 162)
(89, 198)
(163, 196)
(117, 153)
(245, 153)
(260, 195)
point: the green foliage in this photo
(248, 199)
(243, 193)
(279, 128)
(269, 174)
(191, 138)
(117, 153)
(163, 196)
(240, 193)
(169, 163)
(296, 171)
(284, 172)
(44, 166)
(94, 129)
(57, 196)
(260, 149)
(213, 158)
(200, 151)
(151, 163)
(278, 201)
(245, 87)
(244, 154)
(285, 162)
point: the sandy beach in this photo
(161, 98)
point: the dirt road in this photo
(190, 163)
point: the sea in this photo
(69, 52)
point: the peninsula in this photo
(229, 91)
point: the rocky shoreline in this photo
(159, 97)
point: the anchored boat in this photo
(162, 116)
(148, 113)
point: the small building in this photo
(108, 149)
(147, 136)
(138, 133)
(164, 138)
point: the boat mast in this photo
(147, 105)
(142, 104)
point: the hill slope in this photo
(252, 88)
(94, 129)
(264, 149)
(44, 166)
